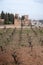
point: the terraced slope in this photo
(21, 46)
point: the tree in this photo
(23, 17)
(2, 15)
(9, 18)
(6, 19)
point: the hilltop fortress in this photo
(24, 20)
(21, 21)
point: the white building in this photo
(36, 23)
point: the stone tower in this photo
(17, 21)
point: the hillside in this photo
(22, 46)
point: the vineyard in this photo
(22, 46)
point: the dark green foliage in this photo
(2, 15)
(22, 18)
(9, 18)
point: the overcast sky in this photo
(34, 8)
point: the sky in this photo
(33, 8)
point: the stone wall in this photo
(25, 22)
(17, 22)
(1, 21)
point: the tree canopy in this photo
(9, 18)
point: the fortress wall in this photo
(17, 22)
(25, 22)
